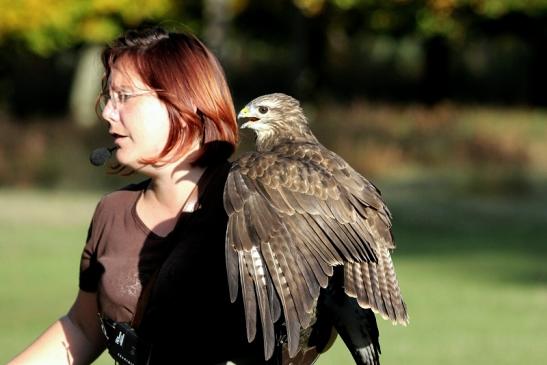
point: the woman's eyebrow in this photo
(127, 86)
(121, 87)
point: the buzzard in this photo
(308, 239)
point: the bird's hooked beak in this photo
(247, 117)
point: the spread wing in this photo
(295, 213)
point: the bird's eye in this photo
(263, 109)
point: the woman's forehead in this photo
(123, 74)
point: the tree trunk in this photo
(86, 87)
(217, 17)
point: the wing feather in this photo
(260, 278)
(287, 302)
(315, 254)
(284, 248)
(231, 263)
(249, 298)
(308, 272)
(349, 281)
(324, 242)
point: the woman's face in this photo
(138, 121)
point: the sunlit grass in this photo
(41, 237)
(472, 270)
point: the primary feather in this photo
(296, 210)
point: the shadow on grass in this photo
(499, 238)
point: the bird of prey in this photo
(308, 239)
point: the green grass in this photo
(472, 270)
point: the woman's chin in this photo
(133, 161)
(125, 160)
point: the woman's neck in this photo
(172, 188)
(172, 183)
(167, 196)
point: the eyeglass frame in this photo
(119, 98)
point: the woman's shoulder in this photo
(220, 172)
(214, 181)
(122, 198)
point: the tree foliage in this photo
(46, 26)
(426, 18)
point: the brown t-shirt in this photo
(120, 253)
(188, 314)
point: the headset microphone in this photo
(100, 155)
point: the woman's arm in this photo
(75, 338)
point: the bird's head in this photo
(275, 118)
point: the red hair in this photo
(190, 81)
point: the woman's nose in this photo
(110, 114)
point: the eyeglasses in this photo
(118, 98)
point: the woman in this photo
(170, 113)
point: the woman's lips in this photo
(117, 137)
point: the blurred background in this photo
(441, 103)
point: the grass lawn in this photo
(472, 269)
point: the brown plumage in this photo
(296, 211)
